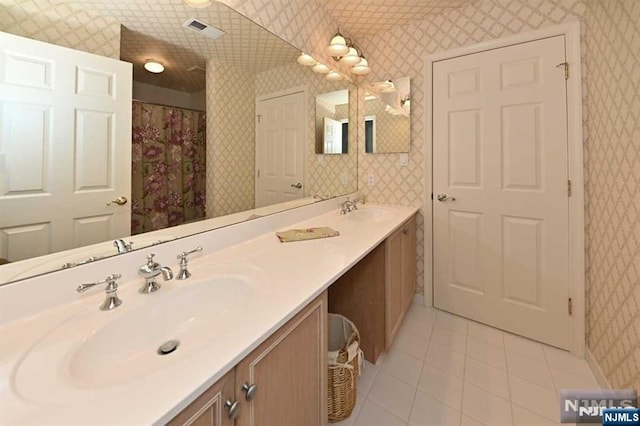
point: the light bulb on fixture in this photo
(361, 68)
(321, 69)
(153, 66)
(334, 76)
(198, 3)
(388, 87)
(307, 60)
(338, 46)
(351, 58)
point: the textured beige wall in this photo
(337, 174)
(613, 188)
(393, 133)
(61, 23)
(230, 139)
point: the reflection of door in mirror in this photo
(332, 122)
(65, 142)
(280, 147)
(387, 112)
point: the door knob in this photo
(444, 197)
(297, 185)
(121, 201)
(232, 408)
(250, 391)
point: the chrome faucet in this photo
(320, 197)
(348, 206)
(150, 271)
(112, 300)
(184, 272)
(121, 246)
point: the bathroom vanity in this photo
(250, 321)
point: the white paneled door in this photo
(280, 144)
(500, 186)
(65, 148)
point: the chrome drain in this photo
(168, 347)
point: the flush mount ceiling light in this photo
(334, 76)
(153, 66)
(198, 3)
(321, 69)
(306, 60)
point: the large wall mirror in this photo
(204, 153)
(387, 117)
(332, 122)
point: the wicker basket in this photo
(345, 360)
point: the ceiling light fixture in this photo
(362, 67)
(338, 45)
(153, 66)
(198, 3)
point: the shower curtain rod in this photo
(165, 105)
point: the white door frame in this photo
(279, 94)
(571, 31)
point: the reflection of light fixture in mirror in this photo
(388, 87)
(307, 60)
(362, 67)
(406, 102)
(334, 76)
(198, 3)
(321, 69)
(153, 66)
(338, 45)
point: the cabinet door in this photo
(208, 409)
(289, 371)
(409, 263)
(393, 286)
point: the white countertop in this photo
(291, 275)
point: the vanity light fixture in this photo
(362, 67)
(343, 50)
(321, 69)
(198, 3)
(153, 66)
(334, 76)
(307, 60)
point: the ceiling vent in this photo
(203, 28)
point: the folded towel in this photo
(306, 234)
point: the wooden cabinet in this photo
(400, 277)
(208, 409)
(289, 372)
(376, 293)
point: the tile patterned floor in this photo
(447, 370)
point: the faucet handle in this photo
(110, 281)
(184, 254)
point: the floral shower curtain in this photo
(168, 166)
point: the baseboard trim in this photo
(597, 371)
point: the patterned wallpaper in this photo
(336, 174)
(56, 22)
(392, 131)
(613, 188)
(230, 139)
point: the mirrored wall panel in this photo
(387, 117)
(332, 122)
(224, 134)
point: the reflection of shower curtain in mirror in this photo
(168, 167)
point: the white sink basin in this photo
(370, 214)
(99, 349)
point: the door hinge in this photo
(570, 306)
(569, 188)
(432, 195)
(258, 116)
(566, 69)
(258, 173)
